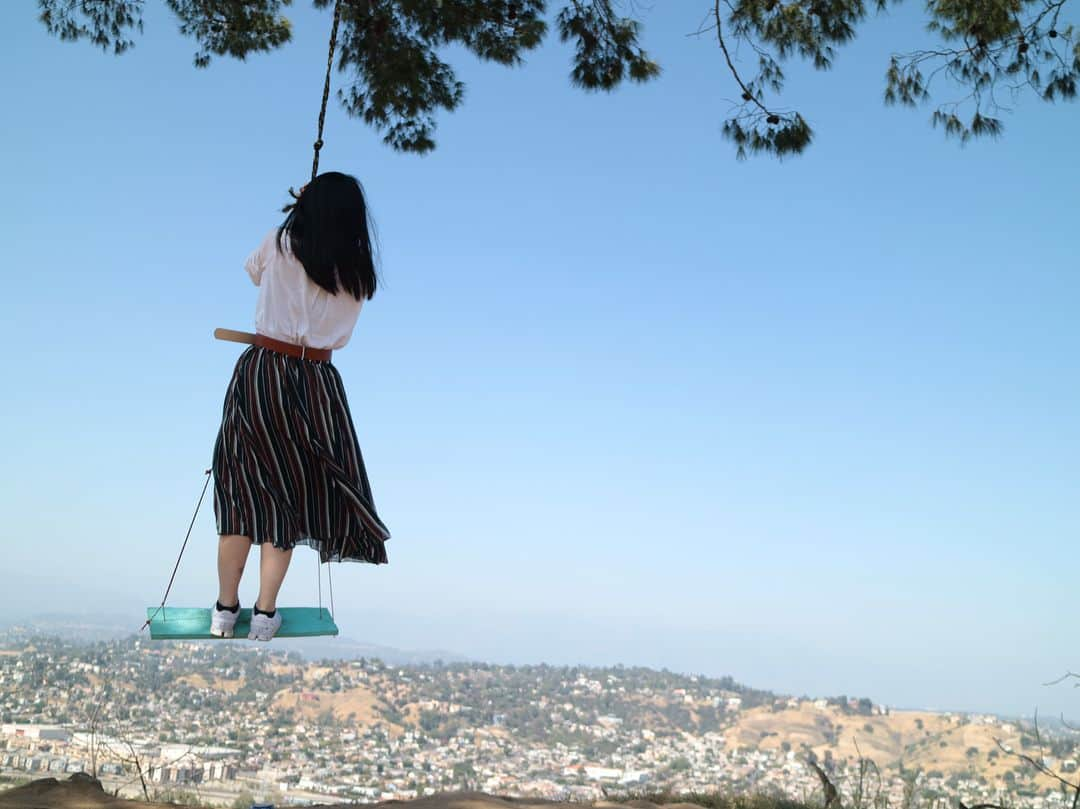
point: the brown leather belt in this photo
(293, 350)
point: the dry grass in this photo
(195, 681)
(360, 706)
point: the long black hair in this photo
(328, 231)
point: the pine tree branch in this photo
(748, 95)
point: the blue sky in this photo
(622, 398)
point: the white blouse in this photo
(294, 308)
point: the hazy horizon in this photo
(621, 397)
(315, 648)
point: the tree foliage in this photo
(991, 50)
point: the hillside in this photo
(916, 739)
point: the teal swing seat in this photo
(193, 623)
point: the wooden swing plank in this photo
(193, 623)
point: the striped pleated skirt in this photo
(287, 465)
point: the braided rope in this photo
(326, 87)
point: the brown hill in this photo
(918, 739)
(359, 706)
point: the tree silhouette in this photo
(993, 50)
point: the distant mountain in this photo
(91, 629)
(347, 649)
(71, 626)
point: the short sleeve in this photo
(258, 261)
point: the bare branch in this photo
(1066, 676)
(1038, 765)
(832, 796)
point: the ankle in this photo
(223, 608)
(268, 613)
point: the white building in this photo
(51, 732)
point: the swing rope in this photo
(176, 567)
(326, 87)
(330, 581)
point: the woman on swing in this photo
(287, 467)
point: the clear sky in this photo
(622, 398)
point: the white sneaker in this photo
(263, 627)
(222, 622)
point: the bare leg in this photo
(232, 555)
(273, 564)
